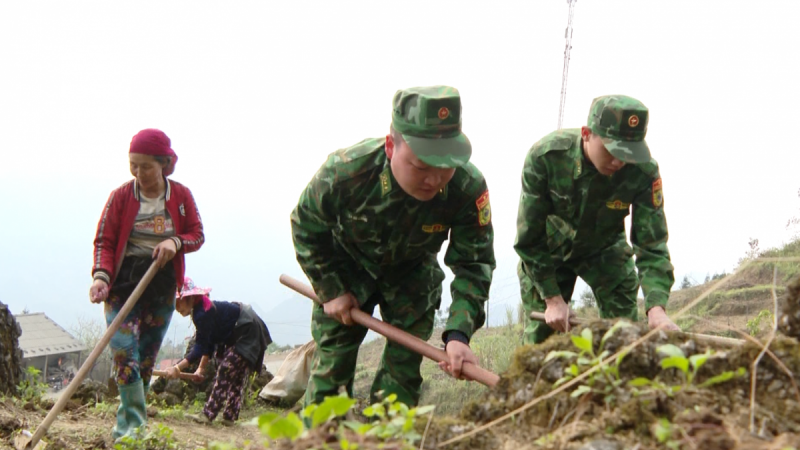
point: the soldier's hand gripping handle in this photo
(339, 308)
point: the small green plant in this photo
(31, 388)
(104, 409)
(159, 439)
(664, 430)
(171, 412)
(604, 380)
(754, 324)
(676, 359)
(390, 420)
(251, 395)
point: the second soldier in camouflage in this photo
(367, 230)
(578, 185)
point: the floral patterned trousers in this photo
(136, 343)
(232, 373)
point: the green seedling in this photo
(676, 359)
(606, 378)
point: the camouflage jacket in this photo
(568, 210)
(353, 218)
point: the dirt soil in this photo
(714, 417)
(78, 427)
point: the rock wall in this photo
(10, 354)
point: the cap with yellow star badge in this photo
(429, 119)
(621, 122)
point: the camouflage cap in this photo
(429, 118)
(621, 122)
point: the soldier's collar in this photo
(582, 165)
(387, 182)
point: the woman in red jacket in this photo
(148, 218)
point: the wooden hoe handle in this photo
(397, 335)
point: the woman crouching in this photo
(237, 336)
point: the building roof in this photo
(41, 336)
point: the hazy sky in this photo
(254, 95)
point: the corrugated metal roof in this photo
(41, 336)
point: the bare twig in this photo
(553, 416)
(761, 354)
(425, 434)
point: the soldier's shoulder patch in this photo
(484, 209)
(658, 194)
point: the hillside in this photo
(740, 300)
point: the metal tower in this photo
(568, 37)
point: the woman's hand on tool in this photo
(198, 376)
(164, 252)
(339, 308)
(458, 353)
(557, 313)
(173, 372)
(98, 292)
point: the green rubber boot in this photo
(132, 412)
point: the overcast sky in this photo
(254, 95)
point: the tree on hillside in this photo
(89, 332)
(587, 299)
(440, 319)
(793, 225)
(753, 252)
(687, 282)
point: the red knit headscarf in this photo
(153, 142)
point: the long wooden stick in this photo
(182, 376)
(87, 365)
(397, 335)
(700, 337)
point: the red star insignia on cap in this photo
(444, 113)
(633, 121)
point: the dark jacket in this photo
(230, 324)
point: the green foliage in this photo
(172, 412)
(674, 358)
(389, 420)
(105, 410)
(664, 430)
(754, 324)
(159, 439)
(31, 388)
(604, 380)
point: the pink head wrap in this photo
(153, 142)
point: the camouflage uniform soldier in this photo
(578, 185)
(367, 231)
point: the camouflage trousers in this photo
(399, 370)
(610, 274)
